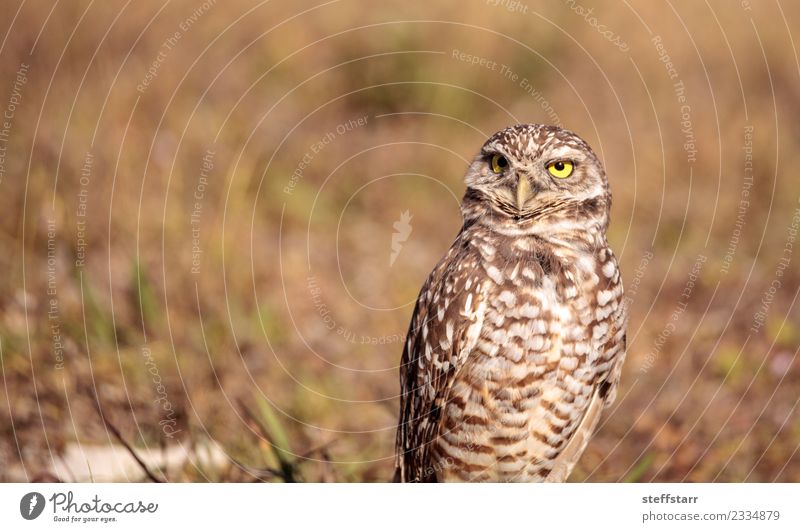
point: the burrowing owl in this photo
(518, 335)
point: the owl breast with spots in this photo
(519, 398)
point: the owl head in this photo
(530, 174)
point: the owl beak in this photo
(524, 191)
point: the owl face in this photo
(529, 171)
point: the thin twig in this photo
(118, 435)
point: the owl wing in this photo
(612, 345)
(602, 396)
(444, 329)
(610, 355)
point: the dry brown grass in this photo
(258, 85)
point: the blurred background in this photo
(215, 218)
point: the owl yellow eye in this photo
(499, 163)
(560, 169)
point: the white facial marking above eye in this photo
(564, 152)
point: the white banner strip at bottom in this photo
(389, 507)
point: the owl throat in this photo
(579, 225)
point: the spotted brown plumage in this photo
(518, 335)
